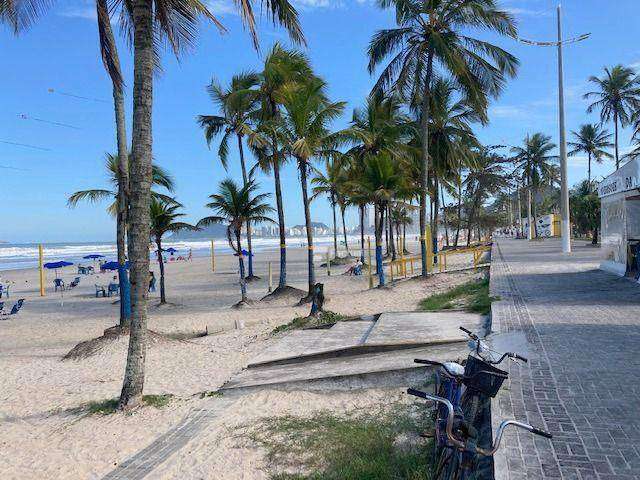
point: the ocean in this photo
(25, 255)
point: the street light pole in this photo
(564, 187)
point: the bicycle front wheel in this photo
(448, 465)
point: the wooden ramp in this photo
(388, 343)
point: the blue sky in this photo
(61, 53)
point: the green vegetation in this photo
(300, 323)
(372, 446)
(471, 296)
(106, 407)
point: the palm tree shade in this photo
(164, 219)
(617, 97)
(591, 139)
(432, 36)
(236, 206)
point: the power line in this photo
(14, 168)
(58, 124)
(26, 145)
(80, 97)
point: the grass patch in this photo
(300, 323)
(472, 296)
(363, 446)
(107, 407)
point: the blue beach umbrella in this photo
(170, 250)
(112, 266)
(56, 265)
(93, 256)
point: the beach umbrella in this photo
(93, 256)
(112, 266)
(56, 265)
(170, 250)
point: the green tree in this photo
(307, 114)
(282, 68)
(238, 104)
(535, 165)
(591, 139)
(160, 177)
(328, 183)
(164, 219)
(617, 97)
(585, 210)
(433, 36)
(238, 206)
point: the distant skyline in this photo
(72, 134)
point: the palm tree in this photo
(153, 22)
(535, 165)
(282, 68)
(433, 35)
(237, 207)
(591, 139)
(307, 113)
(160, 177)
(617, 98)
(327, 183)
(380, 181)
(238, 103)
(164, 215)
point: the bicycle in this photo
(468, 389)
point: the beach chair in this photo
(89, 269)
(113, 289)
(16, 308)
(1, 307)
(4, 290)
(58, 283)
(74, 284)
(82, 270)
(100, 291)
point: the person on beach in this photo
(355, 269)
(152, 281)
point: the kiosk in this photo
(620, 220)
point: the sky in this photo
(48, 67)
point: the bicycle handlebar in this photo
(459, 443)
(475, 338)
(456, 375)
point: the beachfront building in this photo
(620, 219)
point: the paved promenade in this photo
(583, 379)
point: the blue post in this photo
(125, 292)
(379, 265)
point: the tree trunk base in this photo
(251, 278)
(243, 304)
(286, 292)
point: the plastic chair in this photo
(16, 308)
(113, 289)
(100, 291)
(58, 283)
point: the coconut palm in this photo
(591, 139)
(154, 22)
(282, 67)
(327, 183)
(307, 114)
(535, 165)
(380, 181)
(617, 97)
(238, 104)
(164, 216)
(238, 206)
(432, 36)
(160, 177)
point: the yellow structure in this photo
(40, 265)
(213, 257)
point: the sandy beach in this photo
(46, 431)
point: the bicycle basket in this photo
(478, 376)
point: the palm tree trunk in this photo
(386, 236)
(519, 211)
(361, 207)
(459, 209)
(140, 188)
(404, 237)
(243, 282)
(529, 219)
(379, 226)
(391, 242)
(163, 298)
(444, 215)
(436, 208)
(282, 282)
(615, 123)
(302, 164)
(245, 179)
(344, 231)
(335, 226)
(424, 178)
(589, 170)
(123, 167)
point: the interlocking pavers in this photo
(583, 329)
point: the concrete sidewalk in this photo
(582, 382)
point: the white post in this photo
(564, 187)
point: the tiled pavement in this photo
(582, 382)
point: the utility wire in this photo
(80, 97)
(26, 117)
(26, 145)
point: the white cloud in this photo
(222, 7)
(526, 12)
(507, 111)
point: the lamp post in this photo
(564, 186)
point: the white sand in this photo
(45, 435)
